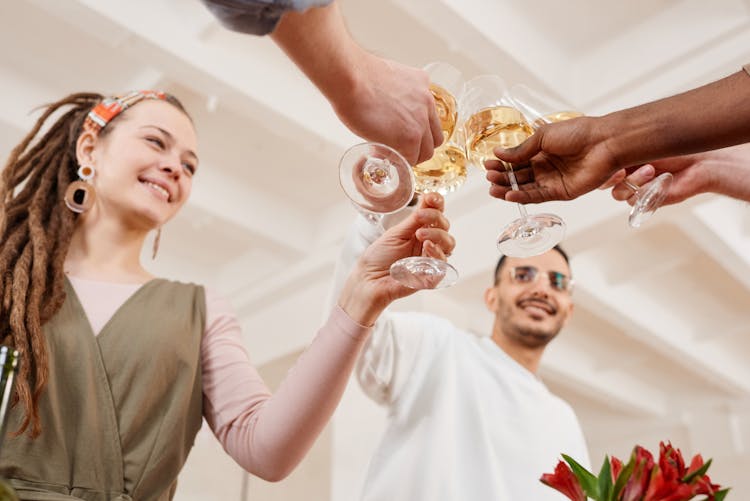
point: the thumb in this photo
(523, 152)
(428, 213)
(642, 175)
(680, 190)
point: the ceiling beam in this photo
(689, 44)
(154, 32)
(642, 318)
(570, 366)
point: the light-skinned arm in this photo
(725, 171)
(378, 99)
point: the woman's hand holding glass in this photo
(370, 287)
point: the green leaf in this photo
(697, 473)
(721, 495)
(605, 481)
(589, 483)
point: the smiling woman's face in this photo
(531, 313)
(144, 164)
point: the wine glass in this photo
(377, 179)
(648, 198)
(539, 108)
(443, 173)
(494, 121)
(446, 170)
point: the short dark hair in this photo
(500, 262)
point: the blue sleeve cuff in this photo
(256, 17)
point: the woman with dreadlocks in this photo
(118, 366)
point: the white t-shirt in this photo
(466, 421)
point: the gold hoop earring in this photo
(156, 243)
(80, 196)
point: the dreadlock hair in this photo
(35, 233)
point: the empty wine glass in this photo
(377, 179)
(493, 120)
(648, 198)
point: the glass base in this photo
(423, 273)
(648, 199)
(531, 235)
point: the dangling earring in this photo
(156, 243)
(79, 197)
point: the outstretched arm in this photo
(725, 171)
(565, 160)
(378, 99)
(268, 435)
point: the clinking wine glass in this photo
(494, 121)
(540, 108)
(443, 173)
(648, 198)
(377, 179)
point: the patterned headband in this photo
(110, 107)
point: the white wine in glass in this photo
(446, 170)
(447, 109)
(443, 173)
(489, 128)
(558, 116)
(506, 127)
(495, 122)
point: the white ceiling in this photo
(659, 347)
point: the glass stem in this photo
(634, 187)
(514, 185)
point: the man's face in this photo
(530, 300)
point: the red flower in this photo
(668, 480)
(615, 466)
(564, 481)
(639, 479)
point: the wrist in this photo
(628, 137)
(359, 299)
(727, 177)
(346, 84)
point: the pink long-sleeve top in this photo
(266, 434)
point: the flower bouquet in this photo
(641, 479)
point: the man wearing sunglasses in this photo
(469, 419)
